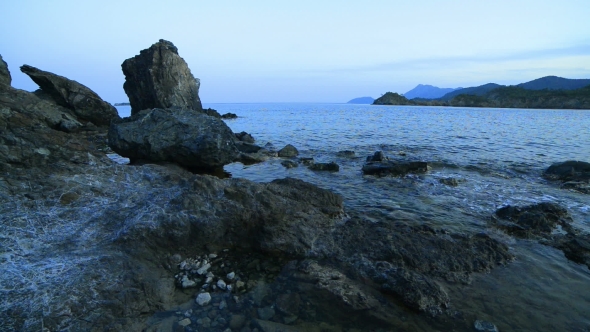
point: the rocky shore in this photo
(90, 244)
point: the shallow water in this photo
(498, 153)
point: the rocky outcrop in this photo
(159, 78)
(193, 140)
(5, 77)
(537, 220)
(573, 175)
(212, 112)
(229, 116)
(84, 103)
(245, 137)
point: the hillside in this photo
(555, 83)
(392, 98)
(361, 100)
(476, 91)
(425, 91)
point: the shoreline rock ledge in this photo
(159, 78)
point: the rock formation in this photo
(159, 78)
(193, 140)
(573, 175)
(288, 151)
(4, 72)
(85, 103)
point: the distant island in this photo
(122, 104)
(426, 91)
(550, 92)
(361, 100)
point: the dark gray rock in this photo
(288, 151)
(451, 182)
(288, 304)
(570, 170)
(212, 112)
(331, 167)
(249, 158)
(5, 77)
(247, 147)
(159, 78)
(346, 154)
(85, 103)
(190, 139)
(537, 220)
(307, 161)
(378, 156)
(576, 247)
(229, 116)
(245, 137)
(289, 164)
(394, 168)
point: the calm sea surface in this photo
(499, 153)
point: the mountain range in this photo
(545, 92)
(426, 91)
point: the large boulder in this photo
(572, 173)
(159, 78)
(193, 140)
(4, 73)
(537, 220)
(85, 103)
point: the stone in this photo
(185, 322)
(190, 139)
(571, 170)
(345, 153)
(536, 220)
(159, 78)
(83, 102)
(245, 137)
(484, 326)
(5, 77)
(212, 112)
(268, 326)
(222, 305)
(229, 116)
(288, 151)
(307, 161)
(378, 156)
(203, 299)
(330, 167)
(236, 322)
(451, 182)
(231, 276)
(576, 247)
(187, 283)
(266, 313)
(221, 284)
(289, 164)
(394, 168)
(203, 269)
(247, 147)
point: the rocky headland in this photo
(90, 244)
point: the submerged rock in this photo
(394, 168)
(576, 247)
(289, 163)
(85, 103)
(331, 167)
(193, 140)
(159, 78)
(346, 154)
(378, 156)
(573, 174)
(288, 151)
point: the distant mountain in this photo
(392, 98)
(555, 83)
(362, 100)
(426, 91)
(476, 91)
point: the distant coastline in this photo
(122, 104)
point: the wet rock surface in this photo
(193, 140)
(159, 78)
(538, 220)
(330, 167)
(84, 103)
(394, 168)
(572, 173)
(229, 116)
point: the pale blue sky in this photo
(302, 51)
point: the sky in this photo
(301, 51)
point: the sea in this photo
(497, 155)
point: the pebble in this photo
(185, 322)
(187, 283)
(221, 284)
(229, 287)
(240, 284)
(231, 275)
(212, 256)
(222, 305)
(203, 299)
(203, 269)
(482, 325)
